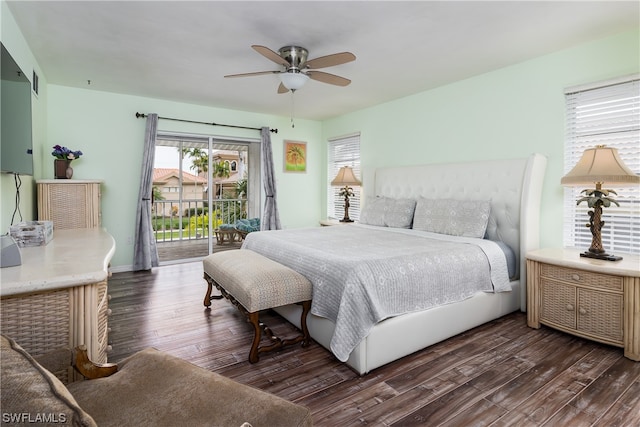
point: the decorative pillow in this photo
(467, 218)
(373, 212)
(399, 213)
(32, 394)
(388, 212)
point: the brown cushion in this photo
(31, 394)
(153, 388)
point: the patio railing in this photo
(187, 220)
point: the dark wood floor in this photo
(500, 374)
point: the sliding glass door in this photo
(201, 186)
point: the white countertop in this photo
(72, 258)
(629, 265)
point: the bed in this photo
(373, 301)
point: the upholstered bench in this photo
(253, 283)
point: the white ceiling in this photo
(179, 50)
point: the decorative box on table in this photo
(32, 233)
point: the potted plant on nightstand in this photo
(62, 163)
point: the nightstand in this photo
(590, 298)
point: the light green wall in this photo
(17, 46)
(103, 125)
(508, 113)
(511, 112)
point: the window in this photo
(343, 151)
(604, 114)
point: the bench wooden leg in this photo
(276, 342)
(207, 296)
(257, 327)
(306, 338)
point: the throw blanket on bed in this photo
(362, 275)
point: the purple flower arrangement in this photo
(63, 153)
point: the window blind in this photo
(605, 115)
(343, 151)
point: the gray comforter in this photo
(362, 275)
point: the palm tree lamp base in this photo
(596, 251)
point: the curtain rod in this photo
(142, 115)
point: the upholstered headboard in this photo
(513, 186)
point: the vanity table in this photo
(58, 296)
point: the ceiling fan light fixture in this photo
(293, 80)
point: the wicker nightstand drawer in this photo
(581, 277)
(558, 303)
(593, 307)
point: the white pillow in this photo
(467, 218)
(388, 212)
(372, 212)
(399, 213)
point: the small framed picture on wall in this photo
(295, 156)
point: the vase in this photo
(62, 169)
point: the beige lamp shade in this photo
(599, 165)
(345, 177)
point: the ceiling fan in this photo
(297, 69)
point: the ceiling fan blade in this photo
(331, 60)
(282, 89)
(332, 79)
(257, 73)
(269, 54)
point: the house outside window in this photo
(343, 151)
(606, 113)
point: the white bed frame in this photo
(514, 188)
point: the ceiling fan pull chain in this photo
(293, 125)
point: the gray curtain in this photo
(145, 252)
(270, 217)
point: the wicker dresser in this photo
(69, 203)
(594, 299)
(58, 296)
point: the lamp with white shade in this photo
(597, 166)
(346, 179)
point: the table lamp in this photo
(346, 179)
(597, 166)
